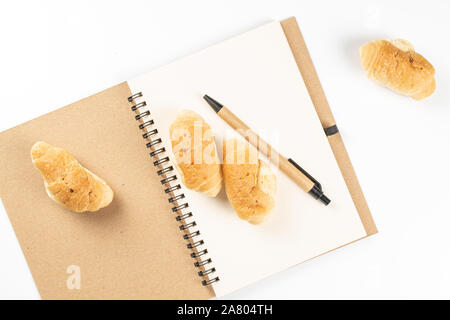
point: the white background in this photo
(54, 53)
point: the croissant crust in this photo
(67, 182)
(250, 184)
(195, 153)
(397, 66)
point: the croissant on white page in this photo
(195, 152)
(250, 184)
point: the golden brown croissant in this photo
(249, 182)
(395, 65)
(195, 153)
(67, 182)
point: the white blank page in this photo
(256, 77)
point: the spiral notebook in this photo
(158, 239)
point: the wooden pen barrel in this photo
(262, 146)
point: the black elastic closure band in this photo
(331, 130)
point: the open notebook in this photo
(134, 248)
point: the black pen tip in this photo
(213, 103)
(325, 200)
(317, 193)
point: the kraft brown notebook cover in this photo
(308, 72)
(131, 249)
(134, 248)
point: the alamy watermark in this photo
(198, 145)
(73, 282)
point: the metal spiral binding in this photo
(158, 153)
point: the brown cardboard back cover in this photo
(132, 249)
(308, 72)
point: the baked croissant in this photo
(249, 182)
(397, 66)
(67, 182)
(195, 153)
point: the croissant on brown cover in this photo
(397, 66)
(67, 182)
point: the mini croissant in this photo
(395, 65)
(67, 182)
(195, 153)
(250, 184)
